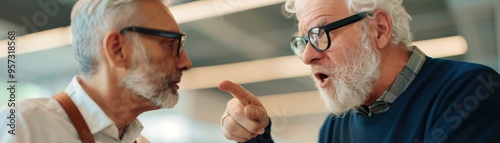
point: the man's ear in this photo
(383, 24)
(114, 50)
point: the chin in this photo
(341, 97)
(332, 104)
(165, 100)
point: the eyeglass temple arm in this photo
(347, 20)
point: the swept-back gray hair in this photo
(92, 19)
(400, 18)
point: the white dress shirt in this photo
(43, 120)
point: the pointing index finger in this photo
(238, 92)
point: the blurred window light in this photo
(443, 47)
(178, 128)
(197, 10)
(48, 39)
(166, 128)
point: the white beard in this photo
(351, 82)
(149, 81)
(154, 85)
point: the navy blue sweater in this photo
(448, 101)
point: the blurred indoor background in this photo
(246, 41)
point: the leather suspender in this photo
(76, 117)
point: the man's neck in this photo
(121, 106)
(393, 60)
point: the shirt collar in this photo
(402, 81)
(95, 117)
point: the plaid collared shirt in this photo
(399, 85)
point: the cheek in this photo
(336, 57)
(342, 49)
(166, 65)
(338, 54)
(162, 60)
(165, 61)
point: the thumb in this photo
(257, 113)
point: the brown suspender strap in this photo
(76, 117)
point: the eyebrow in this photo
(315, 23)
(320, 22)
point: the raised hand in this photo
(245, 117)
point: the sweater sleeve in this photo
(265, 137)
(469, 110)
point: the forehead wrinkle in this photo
(314, 22)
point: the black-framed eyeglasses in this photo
(319, 36)
(181, 37)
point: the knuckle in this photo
(245, 139)
(254, 129)
(238, 113)
(241, 139)
(232, 127)
(226, 135)
(254, 135)
(230, 137)
(235, 138)
(230, 103)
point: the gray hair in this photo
(92, 19)
(400, 18)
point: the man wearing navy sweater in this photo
(378, 86)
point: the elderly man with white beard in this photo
(131, 57)
(377, 85)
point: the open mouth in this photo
(175, 84)
(321, 77)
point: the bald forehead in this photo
(158, 16)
